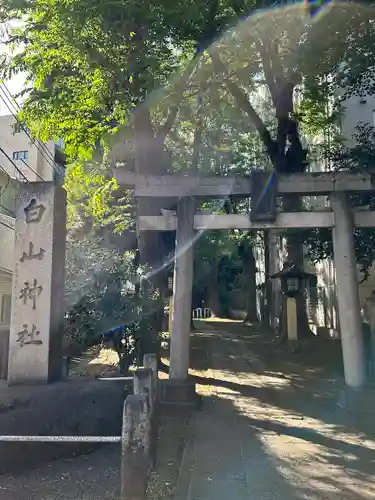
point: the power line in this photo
(3, 191)
(6, 225)
(15, 166)
(32, 170)
(7, 184)
(8, 210)
(1, 205)
(15, 106)
(38, 144)
(36, 141)
(27, 165)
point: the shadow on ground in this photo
(257, 459)
(308, 383)
(272, 421)
(280, 400)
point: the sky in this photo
(16, 84)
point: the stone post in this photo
(135, 448)
(37, 315)
(348, 292)
(291, 323)
(150, 361)
(182, 291)
(143, 385)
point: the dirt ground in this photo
(95, 362)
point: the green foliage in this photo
(104, 292)
(90, 64)
(356, 157)
(96, 197)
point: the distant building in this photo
(322, 301)
(21, 160)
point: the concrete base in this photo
(179, 392)
(359, 401)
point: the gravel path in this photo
(259, 437)
(88, 477)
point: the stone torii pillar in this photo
(36, 329)
(348, 292)
(182, 291)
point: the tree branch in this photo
(245, 105)
(173, 112)
(268, 73)
(211, 25)
(207, 37)
(197, 136)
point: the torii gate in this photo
(340, 218)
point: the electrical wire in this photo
(15, 166)
(6, 225)
(7, 184)
(26, 164)
(38, 144)
(1, 205)
(8, 101)
(10, 98)
(2, 192)
(8, 210)
(32, 170)
(14, 107)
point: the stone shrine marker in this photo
(36, 328)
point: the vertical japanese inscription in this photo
(31, 291)
(34, 211)
(26, 337)
(31, 255)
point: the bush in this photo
(106, 296)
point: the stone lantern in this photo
(293, 281)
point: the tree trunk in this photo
(285, 151)
(213, 300)
(150, 158)
(251, 292)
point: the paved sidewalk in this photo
(258, 437)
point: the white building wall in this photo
(39, 159)
(357, 109)
(324, 311)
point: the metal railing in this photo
(62, 439)
(135, 436)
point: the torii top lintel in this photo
(177, 186)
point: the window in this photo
(18, 127)
(20, 155)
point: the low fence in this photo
(202, 313)
(137, 435)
